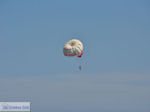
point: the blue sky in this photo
(116, 37)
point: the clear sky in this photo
(116, 61)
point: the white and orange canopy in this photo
(73, 48)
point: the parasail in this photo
(73, 48)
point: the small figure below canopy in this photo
(80, 67)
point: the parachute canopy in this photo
(73, 48)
